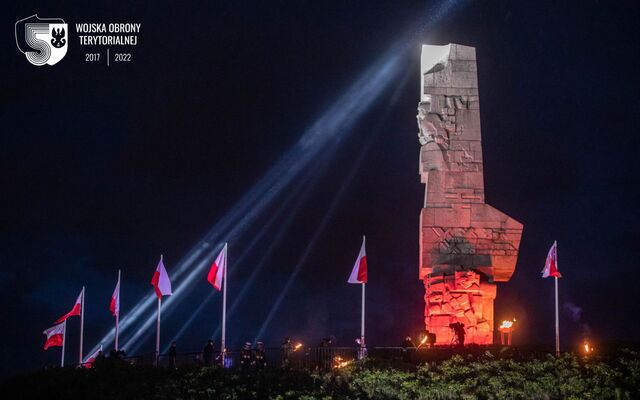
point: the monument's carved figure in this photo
(466, 246)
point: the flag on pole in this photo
(216, 272)
(160, 281)
(55, 336)
(114, 306)
(76, 310)
(88, 363)
(551, 264)
(359, 272)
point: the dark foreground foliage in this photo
(488, 377)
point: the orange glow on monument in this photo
(466, 246)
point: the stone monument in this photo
(466, 246)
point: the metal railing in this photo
(327, 358)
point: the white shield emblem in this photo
(42, 40)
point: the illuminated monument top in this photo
(466, 246)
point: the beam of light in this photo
(275, 241)
(144, 332)
(331, 127)
(273, 245)
(292, 211)
(333, 206)
(285, 206)
(326, 132)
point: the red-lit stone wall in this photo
(466, 246)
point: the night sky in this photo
(108, 167)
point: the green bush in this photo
(484, 377)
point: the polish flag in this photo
(359, 272)
(76, 310)
(88, 363)
(55, 336)
(218, 268)
(160, 281)
(551, 265)
(114, 306)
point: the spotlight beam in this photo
(284, 207)
(144, 333)
(335, 123)
(273, 245)
(332, 207)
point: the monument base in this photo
(459, 297)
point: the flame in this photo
(587, 348)
(339, 362)
(507, 324)
(424, 339)
(297, 346)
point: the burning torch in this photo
(339, 362)
(506, 329)
(423, 341)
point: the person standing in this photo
(207, 354)
(259, 356)
(246, 357)
(326, 354)
(407, 348)
(287, 349)
(100, 360)
(459, 333)
(173, 355)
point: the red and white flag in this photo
(76, 310)
(88, 363)
(55, 336)
(218, 268)
(551, 264)
(160, 281)
(359, 272)
(114, 305)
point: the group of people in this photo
(115, 356)
(255, 358)
(250, 358)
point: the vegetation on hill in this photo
(487, 377)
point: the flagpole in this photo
(81, 325)
(64, 341)
(158, 332)
(362, 343)
(223, 348)
(118, 313)
(557, 322)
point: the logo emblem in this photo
(42, 40)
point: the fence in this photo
(327, 358)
